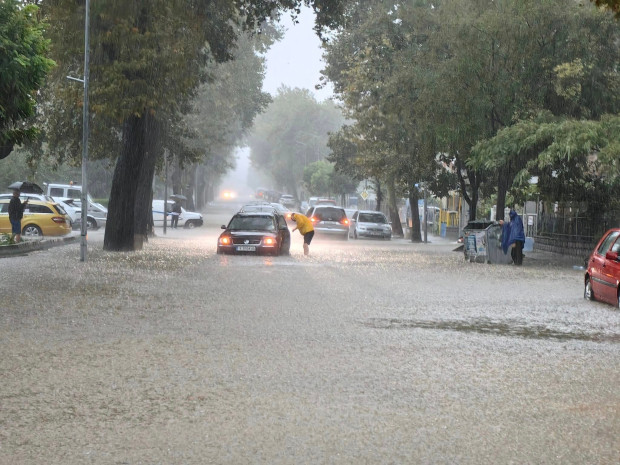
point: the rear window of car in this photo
(329, 214)
(60, 210)
(371, 218)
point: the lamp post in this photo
(85, 81)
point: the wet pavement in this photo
(365, 352)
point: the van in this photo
(187, 219)
(71, 191)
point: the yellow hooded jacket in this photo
(304, 225)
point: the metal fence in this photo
(580, 228)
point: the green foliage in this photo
(6, 239)
(23, 68)
(419, 79)
(291, 134)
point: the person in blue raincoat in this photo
(513, 237)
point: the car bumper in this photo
(323, 231)
(374, 234)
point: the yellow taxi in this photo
(41, 218)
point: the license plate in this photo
(246, 248)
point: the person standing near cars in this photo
(16, 213)
(306, 229)
(513, 237)
(174, 216)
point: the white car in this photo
(370, 223)
(187, 219)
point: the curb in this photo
(32, 246)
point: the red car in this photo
(602, 279)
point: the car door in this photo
(5, 224)
(353, 222)
(601, 270)
(284, 233)
(610, 274)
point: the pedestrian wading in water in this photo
(306, 229)
(513, 237)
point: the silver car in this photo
(370, 223)
(329, 220)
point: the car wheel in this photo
(587, 291)
(190, 225)
(32, 230)
(618, 298)
(91, 223)
(219, 251)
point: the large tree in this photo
(292, 134)
(148, 57)
(23, 68)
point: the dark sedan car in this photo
(255, 232)
(602, 278)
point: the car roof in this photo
(33, 201)
(271, 213)
(326, 206)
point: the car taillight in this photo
(58, 219)
(344, 221)
(225, 240)
(313, 219)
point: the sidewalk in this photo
(27, 246)
(540, 257)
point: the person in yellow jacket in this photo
(306, 229)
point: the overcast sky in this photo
(296, 60)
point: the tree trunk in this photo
(143, 214)
(397, 227)
(416, 234)
(120, 225)
(379, 194)
(502, 188)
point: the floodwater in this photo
(365, 352)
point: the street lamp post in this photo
(84, 225)
(85, 81)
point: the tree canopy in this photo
(23, 68)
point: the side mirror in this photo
(613, 256)
(223, 226)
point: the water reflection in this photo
(486, 326)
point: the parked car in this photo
(329, 221)
(257, 232)
(41, 218)
(287, 200)
(602, 277)
(187, 219)
(96, 214)
(369, 223)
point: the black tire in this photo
(91, 223)
(588, 294)
(32, 230)
(190, 225)
(220, 251)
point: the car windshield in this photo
(253, 223)
(371, 218)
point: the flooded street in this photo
(365, 352)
